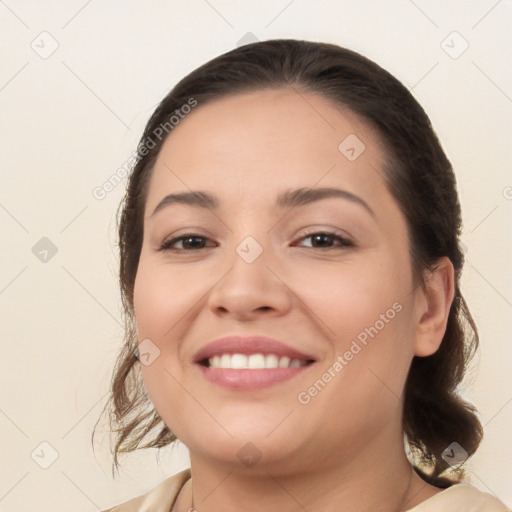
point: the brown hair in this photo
(419, 176)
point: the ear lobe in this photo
(433, 308)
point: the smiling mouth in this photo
(253, 362)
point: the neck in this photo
(376, 476)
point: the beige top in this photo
(461, 497)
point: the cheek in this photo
(367, 310)
(164, 311)
(161, 298)
(155, 314)
(353, 296)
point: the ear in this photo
(433, 307)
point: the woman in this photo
(290, 267)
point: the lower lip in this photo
(250, 379)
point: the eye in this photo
(190, 242)
(194, 242)
(323, 240)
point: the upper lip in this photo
(248, 345)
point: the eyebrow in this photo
(287, 199)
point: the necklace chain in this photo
(405, 493)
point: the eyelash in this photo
(344, 242)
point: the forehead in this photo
(248, 144)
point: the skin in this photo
(344, 448)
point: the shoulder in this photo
(461, 497)
(159, 499)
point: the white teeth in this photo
(254, 361)
(284, 362)
(225, 361)
(271, 361)
(238, 361)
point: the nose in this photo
(250, 290)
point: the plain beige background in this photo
(78, 81)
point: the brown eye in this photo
(190, 242)
(324, 240)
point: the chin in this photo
(251, 448)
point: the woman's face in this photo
(261, 265)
